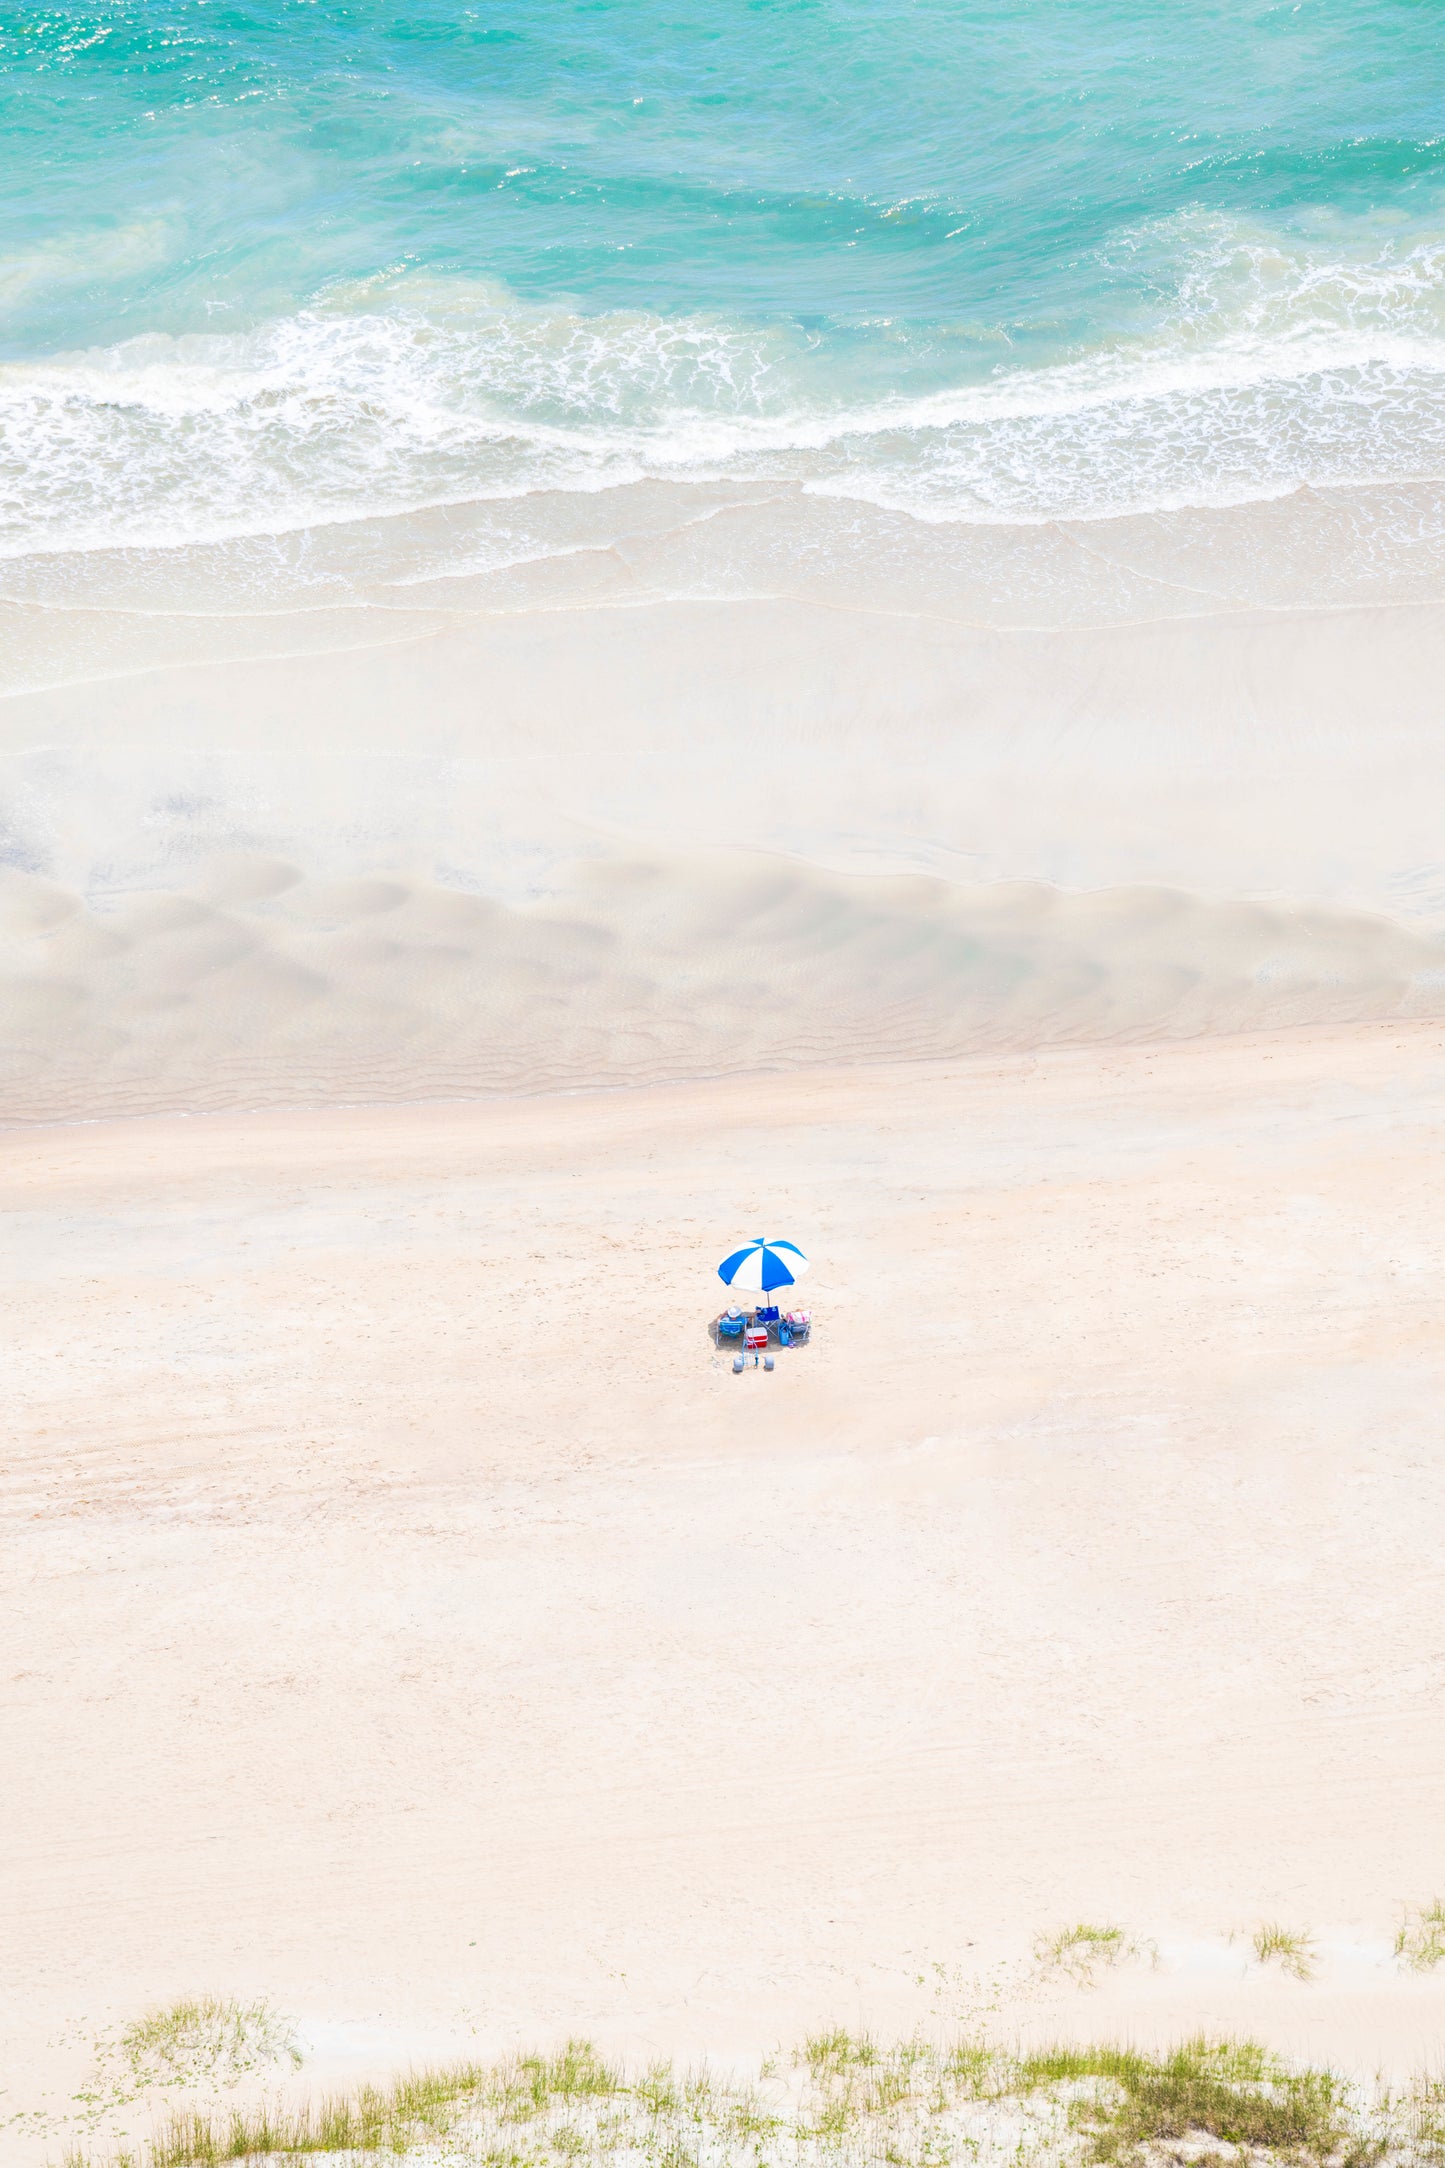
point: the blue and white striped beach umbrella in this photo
(760, 1266)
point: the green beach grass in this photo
(1084, 1951)
(842, 2100)
(206, 2036)
(1420, 1944)
(1288, 1947)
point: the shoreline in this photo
(652, 543)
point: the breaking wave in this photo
(1274, 369)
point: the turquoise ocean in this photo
(268, 268)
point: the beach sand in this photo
(440, 843)
(623, 630)
(413, 985)
(411, 1619)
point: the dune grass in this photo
(1420, 1944)
(206, 2036)
(418, 2107)
(1289, 1948)
(1231, 2091)
(844, 2100)
(1084, 1951)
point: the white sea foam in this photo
(1274, 368)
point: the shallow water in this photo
(263, 268)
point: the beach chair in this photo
(794, 1329)
(730, 1325)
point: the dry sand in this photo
(411, 1619)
